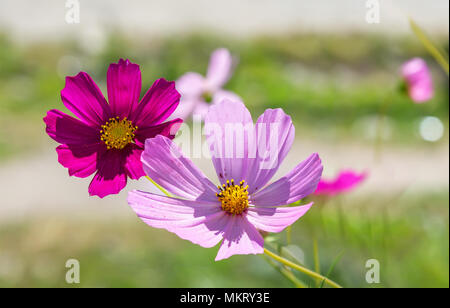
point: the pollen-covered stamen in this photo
(234, 198)
(116, 134)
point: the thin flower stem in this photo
(159, 187)
(439, 55)
(289, 234)
(316, 259)
(301, 269)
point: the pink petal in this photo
(240, 238)
(200, 222)
(190, 85)
(200, 111)
(157, 104)
(166, 165)
(229, 131)
(197, 109)
(421, 92)
(80, 159)
(297, 184)
(418, 80)
(83, 97)
(184, 109)
(220, 95)
(111, 176)
(66, 129)
(219, 69)
(167, 129)
(124, 87)
(275, 134)
(275, 219)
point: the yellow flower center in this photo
(234, 198)
(117, 133)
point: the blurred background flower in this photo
(345, 181)
(198, 92)
(318, 60)
(418, 80)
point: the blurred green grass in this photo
(328, 83)
(410, 240)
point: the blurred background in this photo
(320, 61)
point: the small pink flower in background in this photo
(346, 181)
(108, 139)
(418, 80)
(233, 213)
(198, 92)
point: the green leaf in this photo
(270, 239)
(333, 264)
(293, 253)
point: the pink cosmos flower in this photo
(197, 92)
(108, 139)
(418, 80)
(344, 182)
(245, 160)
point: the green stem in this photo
(159, 187)
(301, 269)
(438, 55)
(289, 234)
(316, 259)
(285, 271)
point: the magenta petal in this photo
(349, 179)
(240, 238)
(166, 165)
(219, 69)
(83, 97)
(111, 176)
(157, 105)
(133, 164)
(325, 187)
(344, 182)
(166, 129)
(275, 219)
(297, 184)
(124, 87)
(275, 134)
(200, 222)
(229, 131)
(81, 160)
(66, 129)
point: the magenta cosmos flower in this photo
(345, 181)
(108, 139)
(197, 92)
(418, 80)
(245, 160)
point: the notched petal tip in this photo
(124, 62)
(164, 83)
